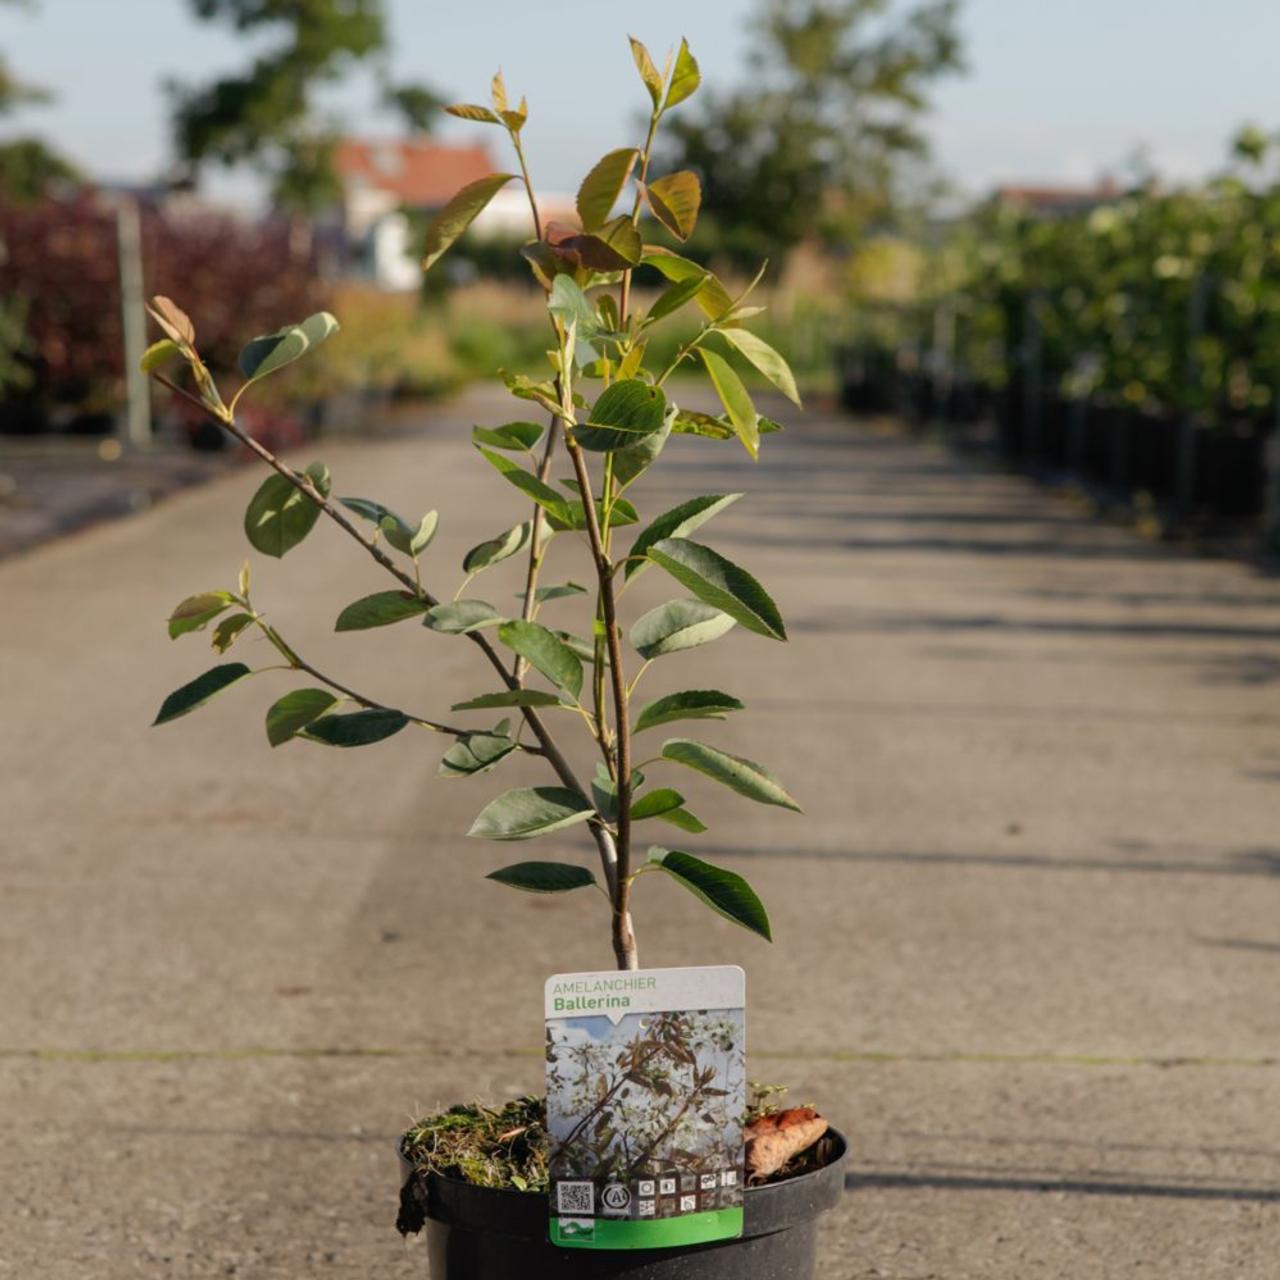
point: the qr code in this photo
(575, 1197)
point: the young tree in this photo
(816, 141)
(264, 116)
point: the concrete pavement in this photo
(1027, 944)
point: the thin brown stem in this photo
(624, 945)
(625, 291)
(528, 185)
(435, 725)
(520, 666)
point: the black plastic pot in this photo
(474, 1233)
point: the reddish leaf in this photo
(173, 320)
(613, 247)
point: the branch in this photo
(434, 725)
(304, 485)
(624, 944)
(520, 666)
(625, 291)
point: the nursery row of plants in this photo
(1136, 344)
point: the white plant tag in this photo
(646, 1103)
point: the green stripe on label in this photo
(646, 1233)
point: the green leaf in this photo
(765, 359)
(674, 297)
(224, 634)
(498, 93)
(200, 690)
(741, 775)
(655, 803)
(410, 541)
(380, 610)
(372, 511)
(280, 515)
(510, 698)
(567, 301)
(683, 819)
(523, 387)
(543, 594)
(733, 395)
(603, 185)
(575, 515)
(459, 214)
(543, 877)
(541, 649)
(723, 891)
(471, 111)
(604, 791)
(648, 72)
(713, 298)
(515, 436)
(159, 354)
(676, 523)
(690, 704)
(631, 463)
(675, 201)
(543, 494)
(721, 583)
(195, 611)
(476, 753)
(461, 616)
(685, 79)
(291, 714)
(271, 351)
(677, 625)
(357, 728)
(691, 423)
(582, 647)
(625, 413)
(497, 549)
(527, 812)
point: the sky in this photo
(1054, 92)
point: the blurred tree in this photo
(264, 116)
(27, 165)
(825, 131)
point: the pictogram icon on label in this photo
(615, 1198)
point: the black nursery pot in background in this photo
(476, 1233)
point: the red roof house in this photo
(419, 173)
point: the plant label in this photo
(646, 1104)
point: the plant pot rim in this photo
(523, 1215)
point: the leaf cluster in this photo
(1155, 299)
(613, 418)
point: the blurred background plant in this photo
(797, 183)
(1134, 295)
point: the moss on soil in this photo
(486, 1146)
(507, 1147)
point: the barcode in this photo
(575, 1197)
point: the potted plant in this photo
(478, 1175)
